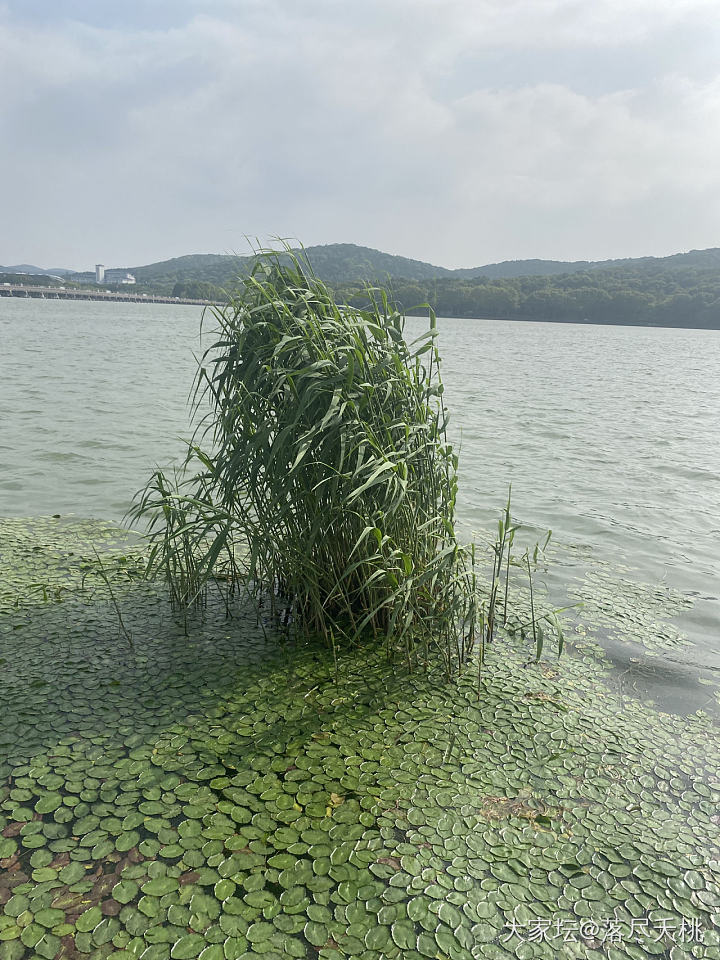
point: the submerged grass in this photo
(329, 487)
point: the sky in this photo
(461, 132)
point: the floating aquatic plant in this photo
(200, 797)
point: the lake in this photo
(609, 436)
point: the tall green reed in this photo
(320, 477)
(539, 622)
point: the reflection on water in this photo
(608, 434)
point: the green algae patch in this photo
(210, 792)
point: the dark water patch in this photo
(665, 680)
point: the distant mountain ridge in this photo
(334, 263)
(351, 263)
(30, 270)
(682, 290)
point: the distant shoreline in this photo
(22, 292)
(611, 323)
(29, 292)
(585, 322)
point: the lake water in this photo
(609, 436)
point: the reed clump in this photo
(320, 477)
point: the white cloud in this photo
(336, 122)
(479, 24)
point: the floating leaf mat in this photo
(210, 792)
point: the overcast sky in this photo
(456, 131)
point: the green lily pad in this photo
(160, 886)
(150, 906)
(16, 905)
(71, 873)
(214, 951)
(12, 950)
(224, 888)
(8, 846)
(48, 946)
(126, 841)
(378, 938)
(316, 933)
(404, 935)
(88, 920)
(48, 803)
(49, 917)
(125, 891)
(188, 947)
(260, 932)
(32, 934)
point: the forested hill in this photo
(350, 263)
(694, 260)
(680, 290)
(334, 263)
(677, 292)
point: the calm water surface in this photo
(609, 435)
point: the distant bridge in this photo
(70, 293)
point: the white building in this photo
(99, 272)
(119, 276)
